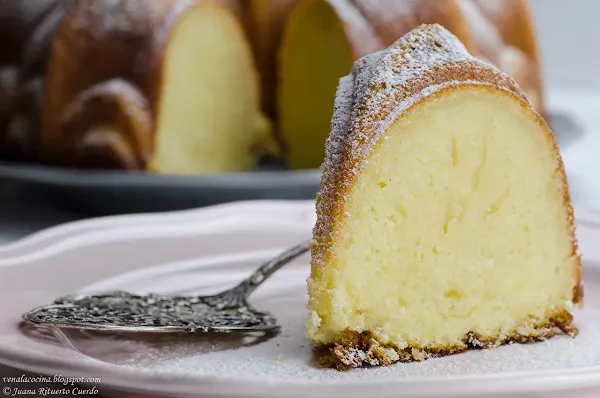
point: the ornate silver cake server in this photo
(127, 312)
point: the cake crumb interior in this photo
(457, 227)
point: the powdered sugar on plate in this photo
(289, 357)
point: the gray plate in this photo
(108, 192)
(104, 192)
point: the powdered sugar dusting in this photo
(289, 357)
(385, 85)
(340, 121)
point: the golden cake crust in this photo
(382, 87)
(356, 349)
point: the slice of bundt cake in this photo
(444, 220)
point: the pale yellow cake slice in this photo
(444, 220)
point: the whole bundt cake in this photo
(101, 93)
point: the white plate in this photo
(203, 251)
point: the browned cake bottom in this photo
(357, 350)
